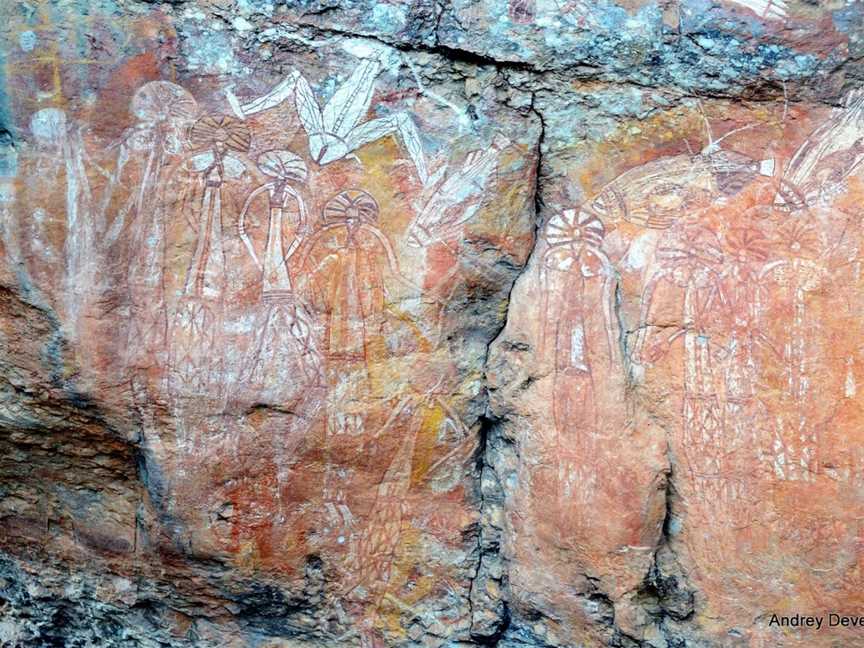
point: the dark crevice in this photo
(488, 591)
(665, 593)
(490, 614)
(537, 203)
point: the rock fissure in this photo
(665, 593)
(760, 92)
(488, 597)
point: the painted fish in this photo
(657, 193)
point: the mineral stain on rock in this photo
(513, 322)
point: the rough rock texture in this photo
(501, 322)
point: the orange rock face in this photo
(495, 323)
(256, 282)
(697, 340)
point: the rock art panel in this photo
(264, 274)
(692, 369)
(513, 322)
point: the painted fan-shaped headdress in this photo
(214, 129)
(283, 165)
(351, 203)
(163, 101)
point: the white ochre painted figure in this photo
(282, 359)
(339, 129)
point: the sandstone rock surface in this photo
(361, 323)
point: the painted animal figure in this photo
(657, 194)
(831, 153)
(447, 204)
(768, 9)
(661, 192)
(339, 129)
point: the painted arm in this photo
(307, 276)
(276, 96)
(642, 331)
(392, 261)
(241, 224)
(301, 207)
(388, 249)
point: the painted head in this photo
(575, 241)
(162, 101)
(49, 127)
(221, 133)
(163, 110)
(283, 165)
(353, 207)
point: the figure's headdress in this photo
(213, 129)
(352, 202)
(283, 165)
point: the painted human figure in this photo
(346, 262)
(280, 367)
(734, 336)
(283, 358)
(572, 264)
(196, 358)
(690, 260)
(163, 111)
(575, 240)
(10, 244)
(63, 142)
(800, 273)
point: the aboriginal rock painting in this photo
(284, 347)
(339, 129)
(62, 152)
(270, 271)
(196, 357)
(727, 284)
(163, 112)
